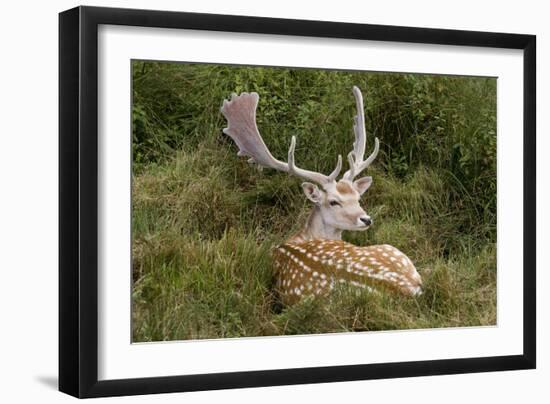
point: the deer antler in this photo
(240, 113)
(355, 157)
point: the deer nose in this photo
(366, 220)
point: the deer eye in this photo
(335, 203)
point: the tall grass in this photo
(204, 221)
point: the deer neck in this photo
(316, 228)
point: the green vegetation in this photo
(204, 220)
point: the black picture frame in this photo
(78, 201)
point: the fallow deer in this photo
(314, 260)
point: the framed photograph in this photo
(251, 201)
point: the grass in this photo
(205, 221)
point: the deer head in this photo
(336, 202)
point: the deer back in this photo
(314, 267)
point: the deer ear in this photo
(362, 184)
(313, 193)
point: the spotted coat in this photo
(314, 267)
